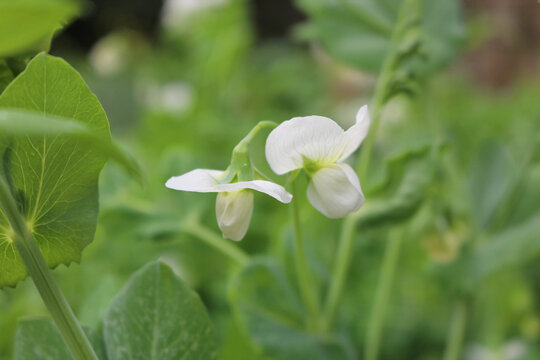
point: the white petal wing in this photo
(354, 136)
(316, 138)
(198, 180)
(335, 191)
(276, 191)
(233, 212)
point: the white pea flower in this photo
(319, 145)
(234, 204)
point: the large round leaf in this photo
(53, 178)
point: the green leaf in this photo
(95, 305)
(24, 23)
(237, 344)
(54, 178)
(156, 316)
(511, 248)
(359, 33)
(39, 339)
(492, 172)
(401, 193)
(272, 313)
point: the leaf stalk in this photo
(48, 288)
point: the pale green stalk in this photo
(305, 281)
(50, 292)
(343, 259)
(265, 124)
(346, 244)
(382, 296)
(456, 334)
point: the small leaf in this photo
(53, 178)
(492, 172)
(401, 193)
(23, 23)
(511, 248)
(39, 339)
(272, 313)
(157, 317)
(359, 33)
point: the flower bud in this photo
(233, 212)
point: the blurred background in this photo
(182, 81)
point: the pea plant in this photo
(55, 141)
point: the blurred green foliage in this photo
(456, 169)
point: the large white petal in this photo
(233, 212)
(335, 191)
(354, 136)
(316, 138)
(198, 180)
(276, 191)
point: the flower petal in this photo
(316, 138)
(276, 191)
(354, 136)
(233, 212)
(198, 180)
(335, 191)
(205, 180)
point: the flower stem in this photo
(50, 292)
(382, 296)
(456, 333)
(343, 257)
(217, 242)
(243, 145)
(305, 281)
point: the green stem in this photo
(345, 248)
(454, 342)
(382, 296)
(381, 93)
(344, 254)
(217, 242)
(346, 242)
(305, 281)
(251, 135)
(376, 110)
(50, 292)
